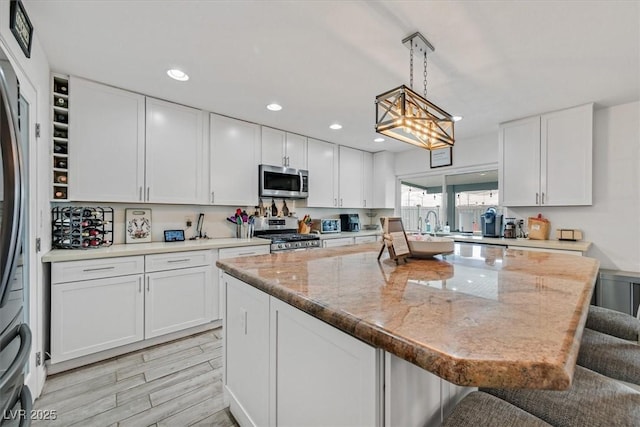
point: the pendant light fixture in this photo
(404, 115)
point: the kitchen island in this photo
(483, 316)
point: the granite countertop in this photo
(483, 316)
(59, 255)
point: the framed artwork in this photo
(137, 224)
(441, 157)
(21, 26)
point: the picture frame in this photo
(137, 223)
(440, 158)
(21, 26)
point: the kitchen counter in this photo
(59, 255)
(483, 316)
(580, 246)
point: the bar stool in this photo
(482, 409)
(614, 323)
(592, 400)
(611, 356)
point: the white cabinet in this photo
(107, 132)
(384, 180)
(178, 299)
(340, 241)
(323, 174)
(234, 160)
(175, 153)
(351, 172)
(281, 148)
(284, 367)
(246, 358)
(365, 239)
(323, 377)
(101, 304)
(547, 160)
(367, 180)
(123, 151)
(95, 305)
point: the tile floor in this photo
(174, 384)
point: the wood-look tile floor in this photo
(174, 384)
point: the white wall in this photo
(612, 223)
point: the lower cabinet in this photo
(94, 315)
(101, 304)
(334, 243)
(365, 239)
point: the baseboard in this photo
(238, 412)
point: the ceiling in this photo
(325, 61)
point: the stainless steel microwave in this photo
(279, 181)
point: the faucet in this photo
(419, 225)
(436, 224)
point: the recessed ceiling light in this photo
(336, 126)
(456, 118)
(274, 107)
(378, 140)
(179, 75)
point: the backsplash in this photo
(215, 225)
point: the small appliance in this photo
(281, 182)
(330, 225)
(491, 223)
(283, 234)
(349, 222)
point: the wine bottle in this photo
(92, 232)
(60, 133)
(96, 241)
(62, 179)
(93, 222)
(61, 164)
(59, 148)
(60, 87)
(60, 118)
(60, 102)
(60, 194)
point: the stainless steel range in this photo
(284, 236)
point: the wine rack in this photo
(60, 120)
(81, 227)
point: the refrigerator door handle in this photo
(17, 366)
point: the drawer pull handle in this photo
(87, 270)
(178, 260)
(246, 253)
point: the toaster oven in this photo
(331, 225)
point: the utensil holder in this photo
(303, 228)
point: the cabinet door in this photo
(334, 243)
(106, 143)
(519, 162)
(235, 157)
(178, 299)
(351, 173)
(95, 315)
(296, 151)
(246, 326)
(322, 166)
(384, 180)
(323, 377)
(367, 179)
(273, 147)
(175, 153)
(566, 151)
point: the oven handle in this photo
(21, 357)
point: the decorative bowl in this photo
(428, 246)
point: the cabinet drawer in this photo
(174, 260)
(73, 271)
(366, 239)
(243, 251)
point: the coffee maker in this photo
(491, 223)
(349, 222)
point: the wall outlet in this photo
(189, 222)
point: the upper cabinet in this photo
(323, 174)
(106, 156)
(281, 148)
(109, 136)
(351, 178)
(547, 160)
(234, 160)
(175, 153)
(367, 180)
(384, 180)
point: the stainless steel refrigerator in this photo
(15, 336)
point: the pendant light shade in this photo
(405, 115)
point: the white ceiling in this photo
(325, 61)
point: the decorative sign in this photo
(137, 225)
(441, 157)
(394, 239)
(21, 27)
